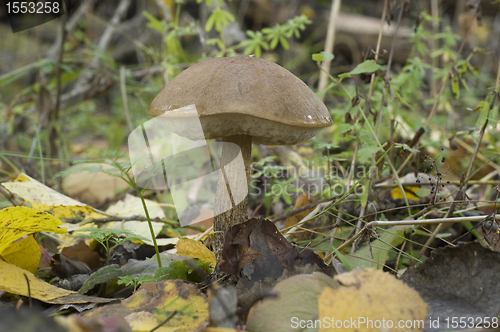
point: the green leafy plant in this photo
(134, 281)
(121, 170)
(109, 238)
(270, 38)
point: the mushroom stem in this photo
(230, 174)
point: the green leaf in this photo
(493, 118)
(346, 127)
(344, 75)
(380, 248)
(483, 116)
(318, 57)
(479, 106)
(422, 192)
(286, 197)
(190, 270)
(405, 147)
(154, 23)
(366, 67)
(210, 22)
(101, 276)
(343, 259)
(454, 87)
(284, 43)
(364, 196)
(366, 153)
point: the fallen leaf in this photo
(131, 206)
(12, 280)
(276, 253)
(141, 228)
(64, 267)
(295, 298)
(77, 323)
(84, 254)
(104, 274)
(24, 253)
(195, 249)
(410, 191)
(93, 188)
(44, 198)
(17, 221)
(160, 300)
(371, 295)
(146, 321)
(303, 200)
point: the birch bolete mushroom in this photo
(241, 100)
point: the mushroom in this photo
(241, 100)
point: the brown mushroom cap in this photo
(242, 96)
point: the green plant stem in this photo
(108, 251)
(42, 165)
(150, 224)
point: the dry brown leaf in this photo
(371, 300)
(93, 188)
(302, 200)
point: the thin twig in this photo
(30, 301)
(307, 207)
(123, 90)
(71, 24)
(377, 49)
(104, 41)
(434, 45)
(205, 233)
(310, 216)
(330, 41)
(394, 39)
(54, 116)
(374, 224)
(368, 100)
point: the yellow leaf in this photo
(21, 178)
(69, 240)
(44, 198)
(158, 301)
(409, 191)
(64, 211)
(371, 295)
(145, 321)
(13, 280)
(191, 248)
(17, 221)
(24, 253)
